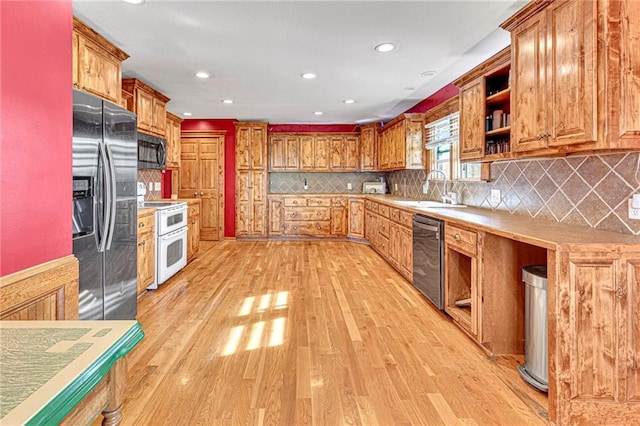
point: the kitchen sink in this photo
(427, 204)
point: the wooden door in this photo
(146, 261)
(394, 244)
(99, 73)
(159, 116)
(399, 145)
(193, 230)
(529, 105)
(210, 179)
(383, 150)
(276, 215)
(307, 153)
(472, 113)
(352, 153)
(356, 218)
(243, 147)
(338, 221)
(368, 155)
(258, 202)
(336, 155)
(406, 252)
(414, 141)
(188, 182)
(277, 153)
(321, 153)
(571, 72)
(173, 141)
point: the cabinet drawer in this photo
(293, 202)
(461, 238)
(406, 219)
(367, 204)
(382, 245)
(312, 228)
(339, 202)
(145, 224)
(307, 213)
(383, 227)
(374, 207)
(394, 214)
(318, 202)
(383, 210)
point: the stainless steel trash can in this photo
(536, 368)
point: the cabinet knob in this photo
(201, 193)
(195, 193)
(295, 228)
(141, 225)
(457, 237)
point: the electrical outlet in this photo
(633, 213)
(395, 186)
(349, 186)
(157, 185)
(150, 186)
(495, 196)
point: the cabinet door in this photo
(321, 153)
(368, 149)
(277, 153)
(383, 150)
(244, 195)
(472, 112)
(351, 153)
(338, 221)
(571, 72)
(529, 119)
(258, 186)
(414, 137)
(307, 154)
(193, 231)
(336, 153)
(406, 253)
(99, 73)
(356, 218)
(173, 142)
(259, 219)
(243, 147)
(144, 109)
(292, 160)
(258, 145)
(159, 116)
(394, 244)
(146, 262)
(276, 216)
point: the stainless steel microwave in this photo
(152, 152)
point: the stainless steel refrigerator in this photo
(105, 158)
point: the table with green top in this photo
(65, 372)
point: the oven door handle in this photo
(172, 235)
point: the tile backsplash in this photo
(586, 190)
(150, 175)
(282, 183)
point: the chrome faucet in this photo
(446, 196)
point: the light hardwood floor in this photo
(318, 333)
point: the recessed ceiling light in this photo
(133, 1)
(202, 74)
(428, 73)
(318, 113)
(409, 89)
(227, 101)
(308, 75)
(385, 47)
(349, 101)
(186, 114)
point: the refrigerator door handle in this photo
(107, 198)
(111, 202)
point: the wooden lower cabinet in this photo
(193, 229)
(276, 216)
(146, 249)
(356, 218)
(389, 231)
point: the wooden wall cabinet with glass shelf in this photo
(97, 63)
(485, 110)
(400, 143)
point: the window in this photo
(442, 137)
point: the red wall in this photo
(444, 94)
(229, 165)
(35, 133)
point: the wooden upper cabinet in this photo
(251, 142)
(150, 106)
(313, 153)
(369, 147)
(401, 143)
(344, 153)
(555, 76)
(97, 63)
(623, 73)
(283, 153)
(172, 134)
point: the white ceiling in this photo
(257, 51)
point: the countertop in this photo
(143, 210)
(48, 367)
(543, 233)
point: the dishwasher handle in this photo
(426, 227)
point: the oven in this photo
(171, 239)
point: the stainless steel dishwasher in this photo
(428, 258)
